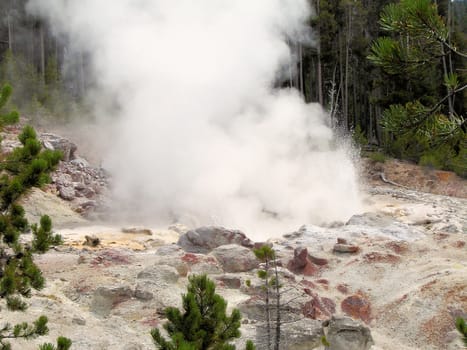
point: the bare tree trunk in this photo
(10, 33)
(278, 308)
(320, 74)
(290, 64)
(346, 82)
(42, 52)
(268, 307)
(300, 52)
(81, 74)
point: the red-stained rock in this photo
(301, 263)
(345, 248)
(357, 306)
(459, 244)
(318, 261)
(310, 269)
(191, 258)
(342, 241)
(343, 288)
(319, 308)
(308, 284)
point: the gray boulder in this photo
(58, 143)
(234, 258)
(106, 298)
(343, 333)
(160, 274)
(204, 239)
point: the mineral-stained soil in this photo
(406, 278)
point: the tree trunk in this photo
(10, 33)
(300, 52)
(42, 52)
(278, 309)
(320, 74)
(346, 79)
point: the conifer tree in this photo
(27, 166)
(203, 323)
(272, 286)
(415, 52)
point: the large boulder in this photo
(234, 258)
(58, 143)
(343, 333)
(106, 298)
(204, 239)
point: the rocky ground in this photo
(399, 268)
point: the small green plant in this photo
(461, 326)
(248, 283)
(377, 157)
(62, 344)
(359, 136)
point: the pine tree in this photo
(25, 167)
(271, 288)
(422, 115)
(203, 324)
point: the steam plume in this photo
(199, 129)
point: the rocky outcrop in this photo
(204, 239)
(234, 258)
(106, 298)
(57, 143)
(301, 263)
(343, 333)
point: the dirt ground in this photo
(414, 177)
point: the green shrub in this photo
(377, 157)
(203, 323)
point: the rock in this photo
(319, 308)
(137, 230)
(92, 241)
(67, 193)
(106, 298)
(301, 263)
(318, 261)
(179, 228)
(377, 257)
(228, 281)
(142, 292)
(78, 321)
(357, 306)
(80, 162)
(202, 264)
(234, 258)
(160, 273)
(345, 334)
(58, 143)
(345, 248)
(301, 334)
(204, 239)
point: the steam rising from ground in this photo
(199, 129)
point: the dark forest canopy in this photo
(383, 107)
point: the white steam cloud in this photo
(199, 130)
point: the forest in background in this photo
(410, 105)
